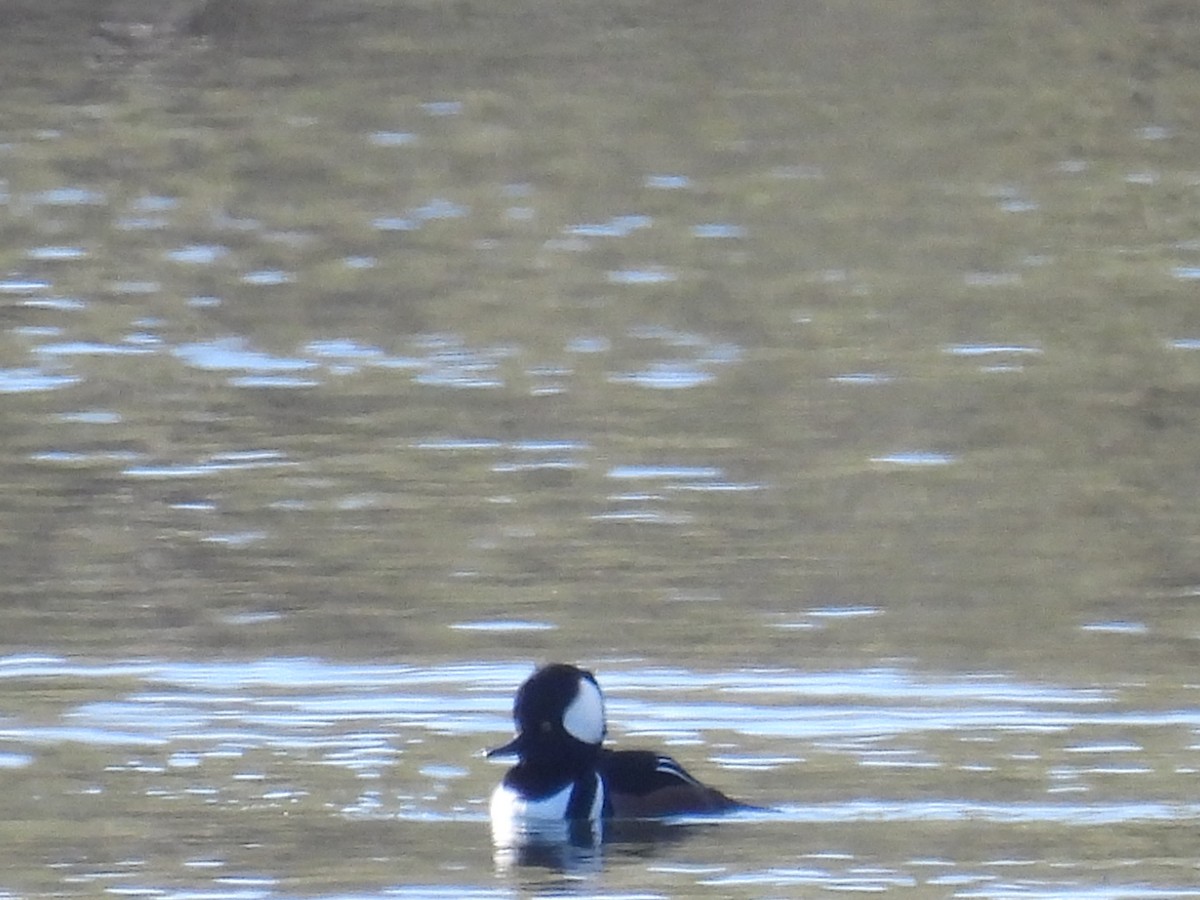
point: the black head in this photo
(559, 714)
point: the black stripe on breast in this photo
(583, 795)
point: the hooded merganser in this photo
(564, 773)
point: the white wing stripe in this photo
(668, 766)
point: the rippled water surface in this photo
(825, 376)
(283, 776)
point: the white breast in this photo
(518, 821)
(509, 806)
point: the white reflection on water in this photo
(69, 196)
(242, 732)
(198, 254)
(718, 230)
(503, 625)
(91, 348)
(665, 375)
(392, 138)
(269, 277)
(876, 881)
(20, 381)
(664, 472)
(680, 359)
(869, 378)
(234, 354)
(983, 349)
(19, 285)
(616, 227)
(1116, 627)
(364, 718)
(667, 182)
(56, 253)
(647, 275)
(234, 460)
(276, 702)
(915, 458)
(60, 304)
(957, 810)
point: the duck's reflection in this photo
(579, 847)
(561, 846)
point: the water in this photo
(821, 375)
(875, 779)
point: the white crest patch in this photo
(584, 716)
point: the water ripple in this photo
(667, 182)
(226, 354)
(915, 458)
(18, 285)
(392, 138)
(20, 381)
(69, 196)
(56, 253)
(198, 254)
(953, 810)
(229, 461)
(91, 348)
(665, 375)
(647, 275)
(364, 718)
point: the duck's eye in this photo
(546, 727)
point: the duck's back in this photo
(641, 783)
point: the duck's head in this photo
(559, 714)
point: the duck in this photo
(564, 773)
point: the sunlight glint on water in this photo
(278, 734)
(778, 371)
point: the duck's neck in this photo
(548, 770)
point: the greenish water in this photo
(824, 375)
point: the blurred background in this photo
(825, 375)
